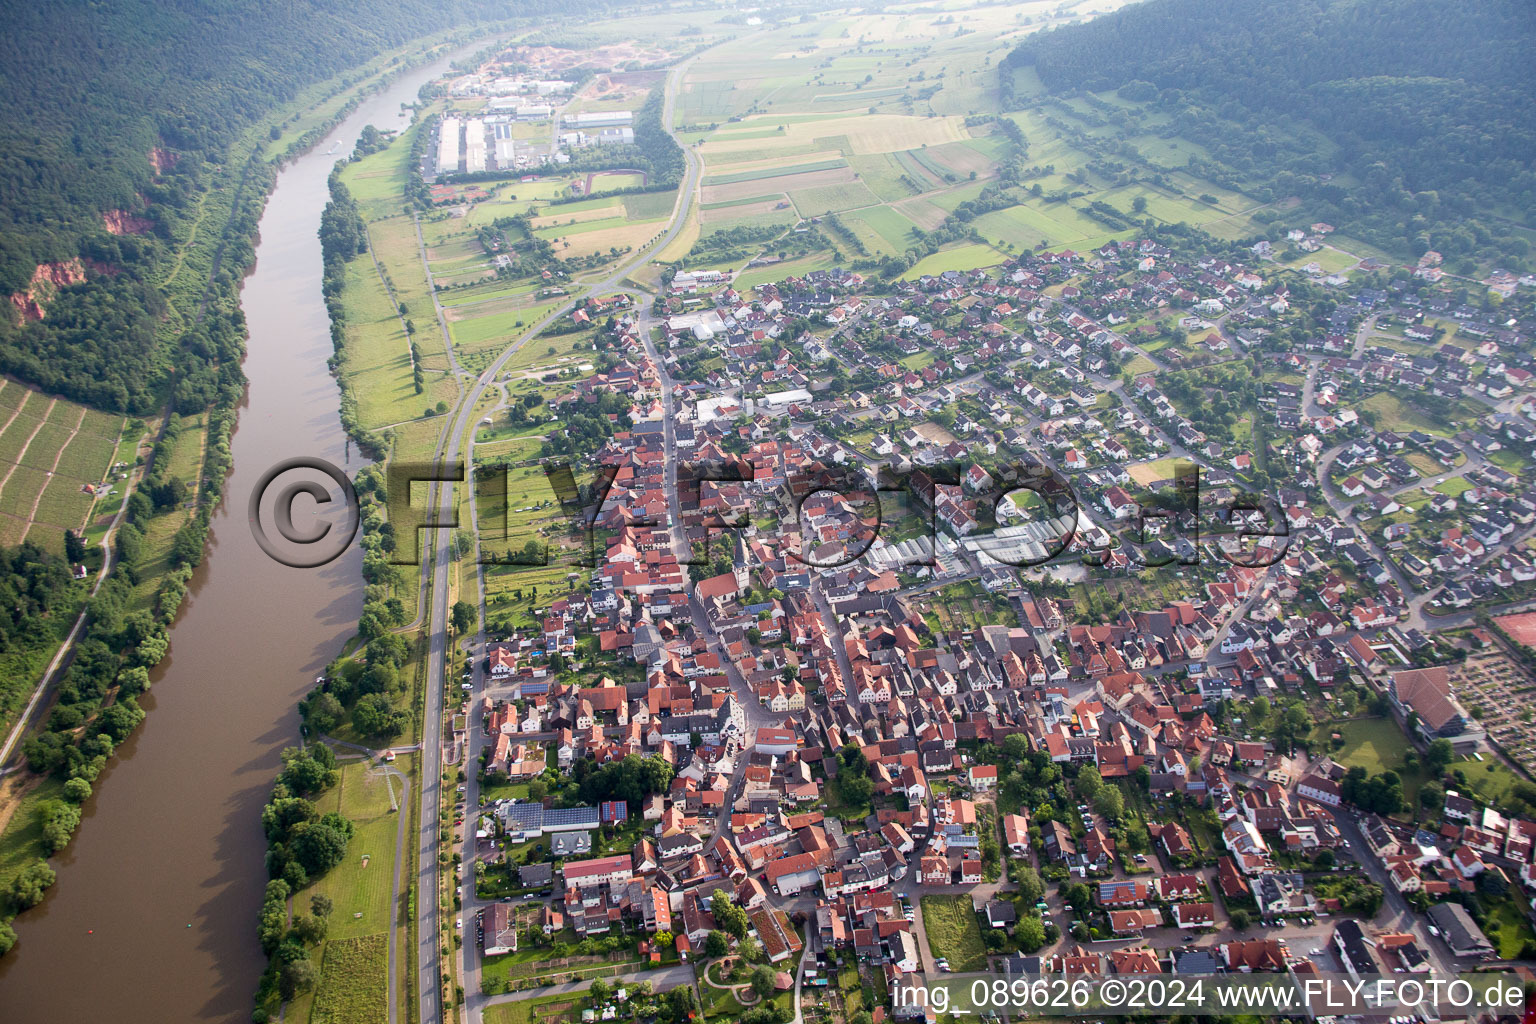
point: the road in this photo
(431, 965)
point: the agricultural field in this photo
(867, 117)
(964, 257)
(815, 202)
(353, 985)
(53, 455)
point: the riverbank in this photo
(250, 635)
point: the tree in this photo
(309, 770)
(1240, 919)
(1089, 783)
(320, 905)
(855, 789)
(320, 845)
(375, 717)
(716, 944)
(464, 617)
(1028, 880)
(1030, 933)
(30, 883)
(1439, 756)
(750, 950)
(59, 819)
(77, 791)
(1078, 896)
(310, 929)
(678, 1005)
(599, 990)
(7, 938)
(324, 712)
(1431, 796)
(74, 547)
(134, 679)
(763, 982)
(1110, 803)
(851, 759)
(728, 915)
(295, 977)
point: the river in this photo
(153, 918)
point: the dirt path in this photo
(32, 515)
(19, 455)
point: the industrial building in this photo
(599, 119)
(448, 146)
(506, 154)
(474, 145)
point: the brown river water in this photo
(153, 918)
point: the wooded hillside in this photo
(1427, 134)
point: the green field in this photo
(353, 985)
(953, 932)
(748, 201)
(965, 257)
(649, 205)
(1393, 413)
(773, 172)
(1508, 926)
(1492, 779)
(375, 367)
(356, 887)
(823, 199)
(881, 229)
(1454, 486)
(885, 176)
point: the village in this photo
(868, 734)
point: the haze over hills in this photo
(1409, 118)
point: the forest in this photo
(1408, 120)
